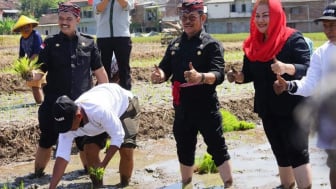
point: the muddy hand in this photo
(280, 85)
(231, 75)
(156, 75)
(192, 76)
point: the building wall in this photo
(300, 15)
(229, 17)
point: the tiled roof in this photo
(5, 5)
(49, 19)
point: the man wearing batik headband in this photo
(70, 58)
(194, 64)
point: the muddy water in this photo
(156, 167)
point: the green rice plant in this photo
(231, 122)
(107, 145)
(205, 164)
(98, 172)
(24, 66)
(96, 175)
(21, 186)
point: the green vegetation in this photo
(6, 186)
(205, 164)
(231, 123)
(97, 173)
(6, 26)
(24, 66)
(38, 7)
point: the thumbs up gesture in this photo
(191, 75)
(158, 75)
(280, 85)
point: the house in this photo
(228, 16)
(233, 16)
(9, 9)
(301, 14)
(48, 23)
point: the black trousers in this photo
(121, 47)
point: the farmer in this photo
(323, 66)
(274, 49)
(30, 46)
(70, 58)
(106, 110)
(195, 65)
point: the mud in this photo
(156, 165)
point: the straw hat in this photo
(24, 20)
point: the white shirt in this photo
(103, 105)
(115, 25)
(323, 63)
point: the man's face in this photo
(329, 28)
(192, 22)
(26, 30)
(68, 23)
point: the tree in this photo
(36, 8)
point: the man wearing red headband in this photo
(195, 65)
(70, 58)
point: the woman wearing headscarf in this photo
(274, 49)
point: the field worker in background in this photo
(106, 110)
(323, 64)
(113, 36)
(274, 49)
(195, 65)
(70, 58)
(30, 46)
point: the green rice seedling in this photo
(96, 175)
(107, 145)
(97, 172)
(205, 164)
(231, 123)
(24, 66)
(21, 186)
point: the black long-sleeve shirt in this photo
(206, 55)
(266, 102)
(69, 63)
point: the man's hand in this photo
(192, 76)
(280, 85)
(28, 76)
(157, 75)
(231, 75)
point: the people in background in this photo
(113, 36)
(30, 46)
